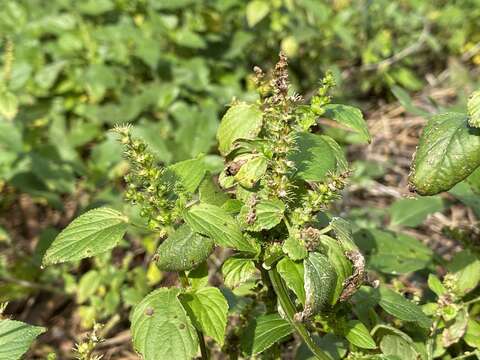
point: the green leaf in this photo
(350, 117)
(412, 212)
(191, 173)
(16, 337)
(396, 305)
(406, 101)
(455, 331)
(210, 193)
(295, 248)
(466, 267)
(8, 105)
(217, 224)
(394, 345)
(183, 250)
(161, 328)
(358, 335)
(343, 266)
(207, 308)
(251, 172)
(436, 285)
(256, 11)
(448, 151)
(320, 282)
(198, 277)
(88, 285)
(237, 271)
(92, 233)
(317, 156)
(241, 121)
(472, 336)
(293, 273)
(263, 332)
(344, 233)
(473, 106)
(394, 253)
(268, 214)
(464, 192)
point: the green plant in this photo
(295, 268)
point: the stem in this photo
(203, 348)
(431, 340)
(472, 301)
(289, 309)
(466, 355)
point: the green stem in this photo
(289, 309)
(203, 347)
(466, 355)
(431, 340)
(477, 299)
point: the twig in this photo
(409, 50)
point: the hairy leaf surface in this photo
(161, 328)
(241, 121)
(207, 308)
(183, 250)
(448, 151)
(16, 337)
(263, 332)
(217, 224)
(92, 233)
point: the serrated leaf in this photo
(207, 308)
(317, 156)
(268, 214)
(293, 273)
(263, 332)
(295, 248)
(256, 11)
(161, 328)
(395, 253)
(210, 193)
(251, 172)
(191, 173)
(92, 233)
(343, 266)
(412, 212)
(358, 334)
(393, 345)
(241, 121)
(466, 267)
(320, 280)
(237, 271)
(473, 107)
(344, 233)
(217, 224)
(448, 151)
(396, 305)
(472, 336)
(349, 116)
(183, 250)
(16, 338)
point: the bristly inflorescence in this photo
(153, 188)
(284, 117)
(280, 125)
